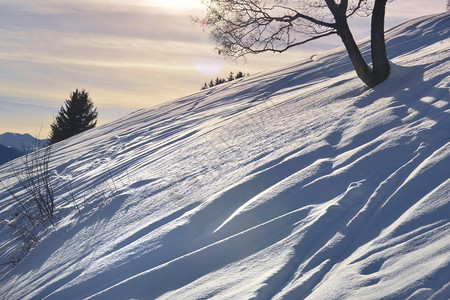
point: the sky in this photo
(126, 54)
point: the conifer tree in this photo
(230, 76)
(239, 75)
(77, 115)
(219, 80)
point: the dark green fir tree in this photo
(77, 115)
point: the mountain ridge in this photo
(14, 145)
(21, 142)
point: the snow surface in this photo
(295, 183)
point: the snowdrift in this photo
(291, 184)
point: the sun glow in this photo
(176, 4)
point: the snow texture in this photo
(290, 184)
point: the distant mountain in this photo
(13, 145)
(22, 142)
(8, 153)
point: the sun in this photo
(176, 4)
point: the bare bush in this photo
(32, 197)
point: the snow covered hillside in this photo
(291, 184)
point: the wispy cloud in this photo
(120, 53)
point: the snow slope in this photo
(295, 183)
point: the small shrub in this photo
(33, 198)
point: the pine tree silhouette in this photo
(239, 75)
(219, 80)
(77, 115)
(230, 76)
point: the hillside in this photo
(290, 184)
(7, 154)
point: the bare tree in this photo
(241, 27)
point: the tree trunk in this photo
(360, 65)
(378, 46)
(380, 62)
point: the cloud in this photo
(15, 110)
(124, 55)
(91, 19)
